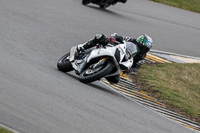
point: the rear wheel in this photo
(91, 74)
(64, 64)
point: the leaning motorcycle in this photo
(99, 62)
(102, 3)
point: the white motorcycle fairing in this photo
(115, 53)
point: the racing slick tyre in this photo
(91, 74)
(64, 64)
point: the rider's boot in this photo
(135, 67)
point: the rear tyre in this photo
(64, 64)
(97, 75)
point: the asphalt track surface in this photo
(36, 98)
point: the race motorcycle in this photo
(102, 3)
(100, 61)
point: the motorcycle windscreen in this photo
(131, 47)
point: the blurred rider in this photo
(143, 43)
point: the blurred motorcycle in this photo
(102, 3)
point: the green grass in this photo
(191, 5)
(179, 84)
(3, 130)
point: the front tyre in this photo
(64, 64)
(91, 75)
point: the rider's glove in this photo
(114, 34)
(111, 40)
(117, 37)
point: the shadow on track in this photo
(93, 85)
(102, 88)
(72, 76)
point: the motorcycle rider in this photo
(143, 43)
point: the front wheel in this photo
(91, 74)
(64, 64)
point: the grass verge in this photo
(191, 5)
(176, 85)
(3, 130)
